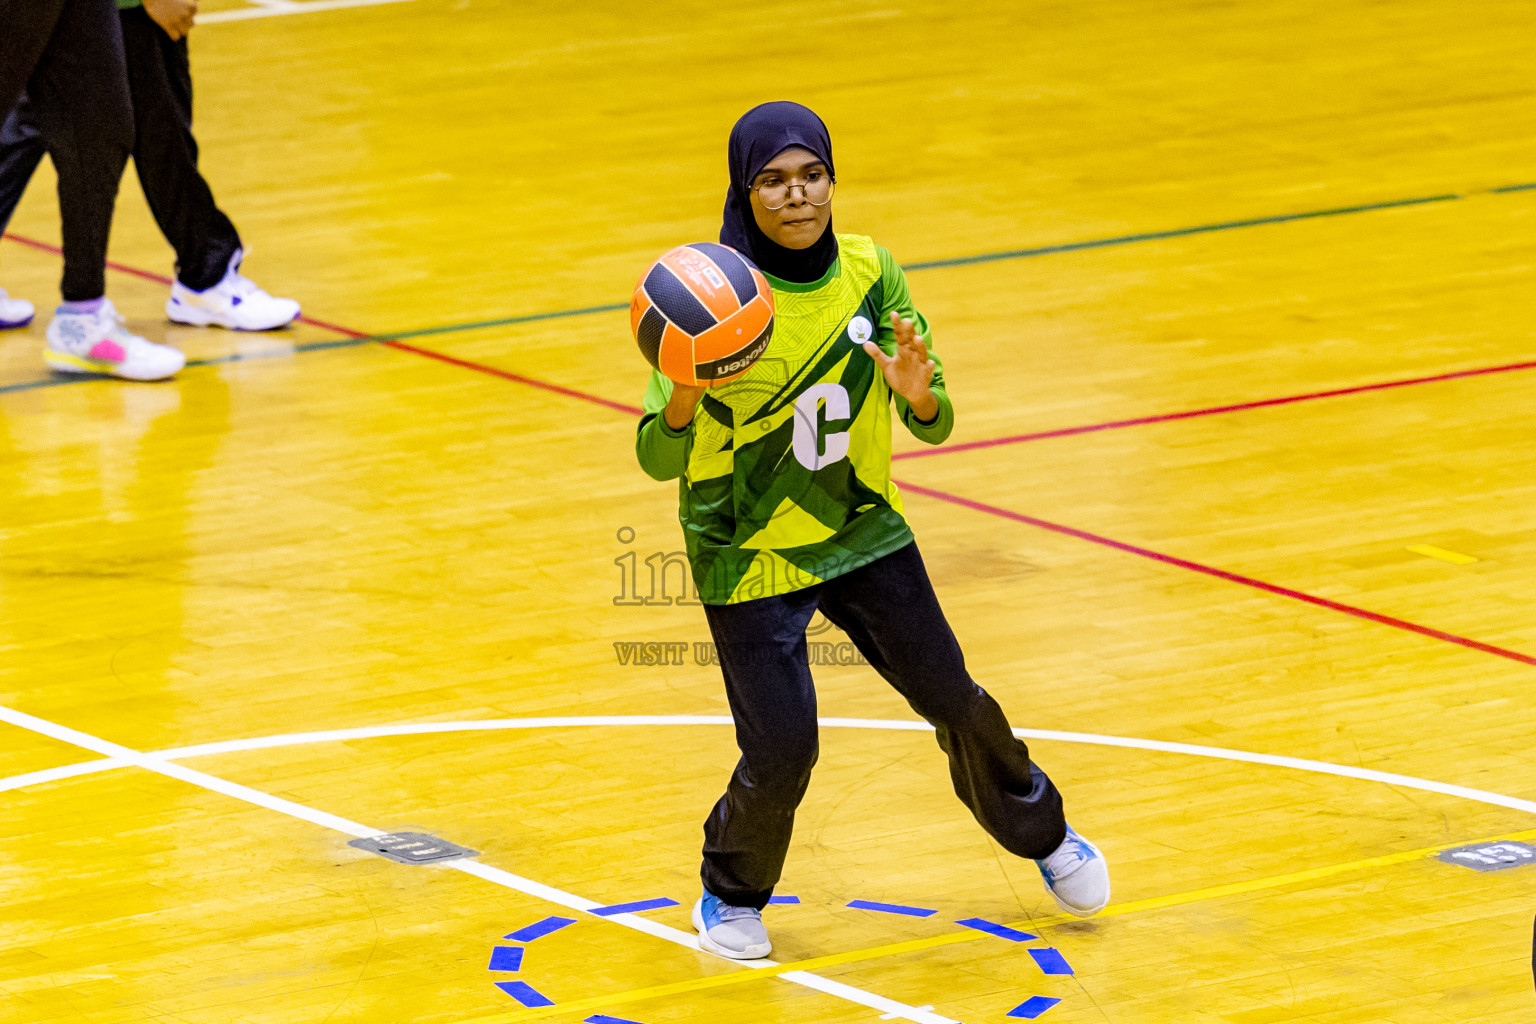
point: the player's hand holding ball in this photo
(702, 315)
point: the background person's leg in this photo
(21, 150)
(165, 153)
(890, 612)
(26, 26)
(79, 96)
(768, 683)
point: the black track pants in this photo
(890, 612)
(21, 150)
(164, 151)
(68, 56)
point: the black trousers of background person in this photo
(890, 612)
(164, 152)
(68, 56)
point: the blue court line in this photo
(635, 907)
(1001, 931)
(538, 928)
(783, 899)
(1033, 1007)
(891, 908)
(1051, 961)
(525, 993)
(506, 958)
(1515, 188)
(603, 1018)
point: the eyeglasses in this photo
(774, 193)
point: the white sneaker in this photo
(99, 343)
(14, 312)
(1077, 875)
(736, 932)
(235, 302)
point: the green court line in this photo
(1153, 236)
(956, 261)
(505, 321)
(234, 357)
(996, 257)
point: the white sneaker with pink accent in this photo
(99, 343)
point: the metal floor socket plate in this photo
(1491, 856)
(413, 847)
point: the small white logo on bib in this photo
(860, 330)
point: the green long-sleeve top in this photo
(785, 473)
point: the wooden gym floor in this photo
(1235, 303)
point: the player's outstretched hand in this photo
(909, 371)
(175, 16)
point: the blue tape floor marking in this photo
(1051, 961)
(1033, 1007)
(506, 958)
(783, 899)
(891, 908)
(525, 993)
(538, 928)
(603, 1018)
(1001, 931)
(632, 908)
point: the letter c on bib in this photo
(808, 440)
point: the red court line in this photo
(916, 453)
(1214, 410)
(1221, 574)
(150, 275)
(532, 382)
(1092, 538)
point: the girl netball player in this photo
(788, 507)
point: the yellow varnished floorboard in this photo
(359, 536)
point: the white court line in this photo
(279, 8)
(1128, 742)
(1482, 796)
(159, 761)
(68, 771)
(125, 756)
(496, 724)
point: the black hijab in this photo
(763, 133)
